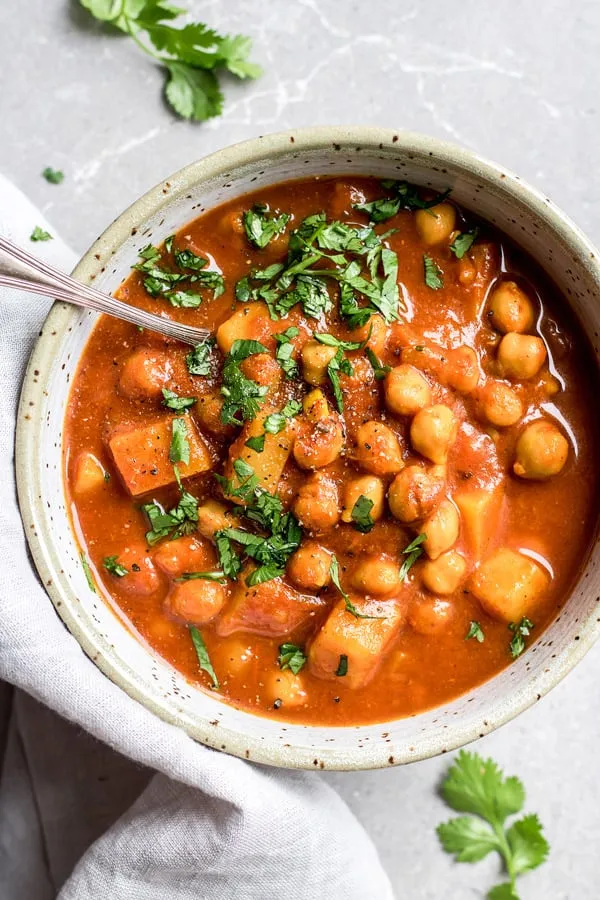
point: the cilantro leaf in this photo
(276, 422)
(112, 565)
(172, 401)
(334, 572)
(161, 282)
(412, 552)
(284, 351)
(475, 631)
(88, 573)
(256, 443)
(291, 657)
(361, 514)
(217, 576)
(463, 242)
(179, 521)
(330, 340)
(520, 631)
(342, 668)
(261, 227)
(503, 892)
(203, 657)
(179, 451)
(338, 364)
(38, 234)
(468, 838)
(198, 359)
(528, 845)
(53, 176)
(403, 196)
(380, 370)
(243, 396)
(433, 273)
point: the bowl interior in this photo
(526, 217)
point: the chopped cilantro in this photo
(330, 340)
(161, 282)
(284, 351)
(334, 571)
(276, 422)
(87, 572)
(380, 370)
(433, 273)
(338, 364)
(53, 176)
(112, 565)
(412, 552)
(256, 443)
(361, 514)
(179, 451)
(463, 242)
(261, 227)
(203, 657)
(475, 631)
(342, 668)
(38, 234)
(198, 359)
(179, 521)
(217, 576)
(243, 396)
(291, 657)
(478, 787)
(520, 631)
(179, 404)
(403, 196)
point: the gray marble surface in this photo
(517, 82)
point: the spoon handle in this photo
(22, 271)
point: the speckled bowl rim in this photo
(61, 316)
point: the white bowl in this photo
(498, 196)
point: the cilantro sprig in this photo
(478, 787)
(260, 227)
(203, 657)
(520, 630)
(463, 242)
(402, 195)
(291, 657)
(112, 565)
(192, 55)
(411, 554)
(285, 349)
(243, 397)
(174, 284)
(38, 234)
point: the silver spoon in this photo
(22, 271)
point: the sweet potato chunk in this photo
(88, 474)
(363, 641)
(271, 608)
(480, 511)
(268, 465)
(142, 455)
(250, 322)
(508, 584)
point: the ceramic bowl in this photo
(523, 214)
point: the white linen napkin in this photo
(193, 824)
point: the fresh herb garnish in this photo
(179, 451)
(198, 359)
(380, 370)
(192, 55)
(291, 657)
(243, 397)
(520, 631)
(477, 786)
(463, 242)
(261, 227)
(203, 657)
(53, 176)
(475, 631)
(179, 521)
(342, 668)
(87, 572)
(330, 340)
(276, 422)
(284, 351)
(361, 514)
(403, 196)
(112, 565)
(38, 234)
(172, 401)
(433, 273)
(338, 364)
(412, 552)
(217, 576)
(256, 443)
(334, 571)
(161, 282)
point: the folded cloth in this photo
(205, 825)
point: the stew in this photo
(376, 483)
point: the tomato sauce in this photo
(408, 649)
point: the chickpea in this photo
(196, 602)
(429, 615)
(317, 503)
(521, 356)
(286, 687)
(510, 309)
(377, 575)
(542, 451)
(500, 404)
(379, 334)
(264, 369)
(462, 369)
(444, 574)
(415, 492)
(315, 359)
(214, 516)
(433, 431)
(442, 529)
(368, 486)
(319, 434)
(378, 449)
(309, 566)
(436, 224)
(208, 411)
(144, 374)
(406, 390)
(142, 579)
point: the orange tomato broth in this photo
(424, 666)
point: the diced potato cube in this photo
(480, 512)
(250, 322)
(142, 455)
(267, 465)
(271, 608)
(363, 641)
(186, 554)
(508, 584)
(88, 474)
